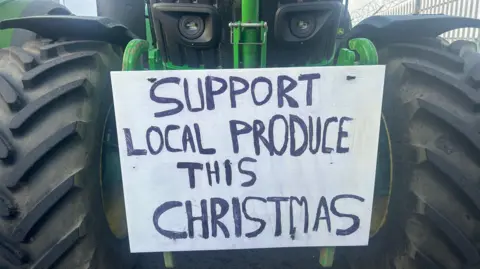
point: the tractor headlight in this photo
(303, 26)
(307, 22)
(191, 27)
(186, 25)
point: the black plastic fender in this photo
(36, 8)
(386, 29)
(130, 13)
(73, 27)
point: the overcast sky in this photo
(81, 7)
(354, 4)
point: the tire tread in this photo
(60, 248)
(434, 56)
(28, 161)
(6, 148)
(41, 208)
(56, 49)
(53, 92)
(11, 252)
(24, 59)
(30, 77)
(10, 95)
(454, 82)
(463, 181)
(32, 108)
(466, 247)
(451, 106)
(459, 124)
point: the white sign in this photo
(248, 158)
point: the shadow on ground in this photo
(297, 258)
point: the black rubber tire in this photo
(431, 106)
(54, 97)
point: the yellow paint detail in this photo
(380, 204)
(114, 208)
(379, 211)
(327, 256)
(113, 202)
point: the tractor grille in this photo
(217, 52)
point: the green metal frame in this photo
(248, 37)
(243, 37)
(10, 9)
(367, 53)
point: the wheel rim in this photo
(111, 179)
(383, 180)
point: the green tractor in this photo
(61, 198)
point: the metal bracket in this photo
(367, 56)
(367, 53)
(239, 25)
(365, 49)
(133, 54)
(327, 255)
(236, 29)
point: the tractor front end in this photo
(222, 35)
(208, 35)
(74, 167)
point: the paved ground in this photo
(298, 258)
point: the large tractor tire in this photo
(54, 98)
(431, 106)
